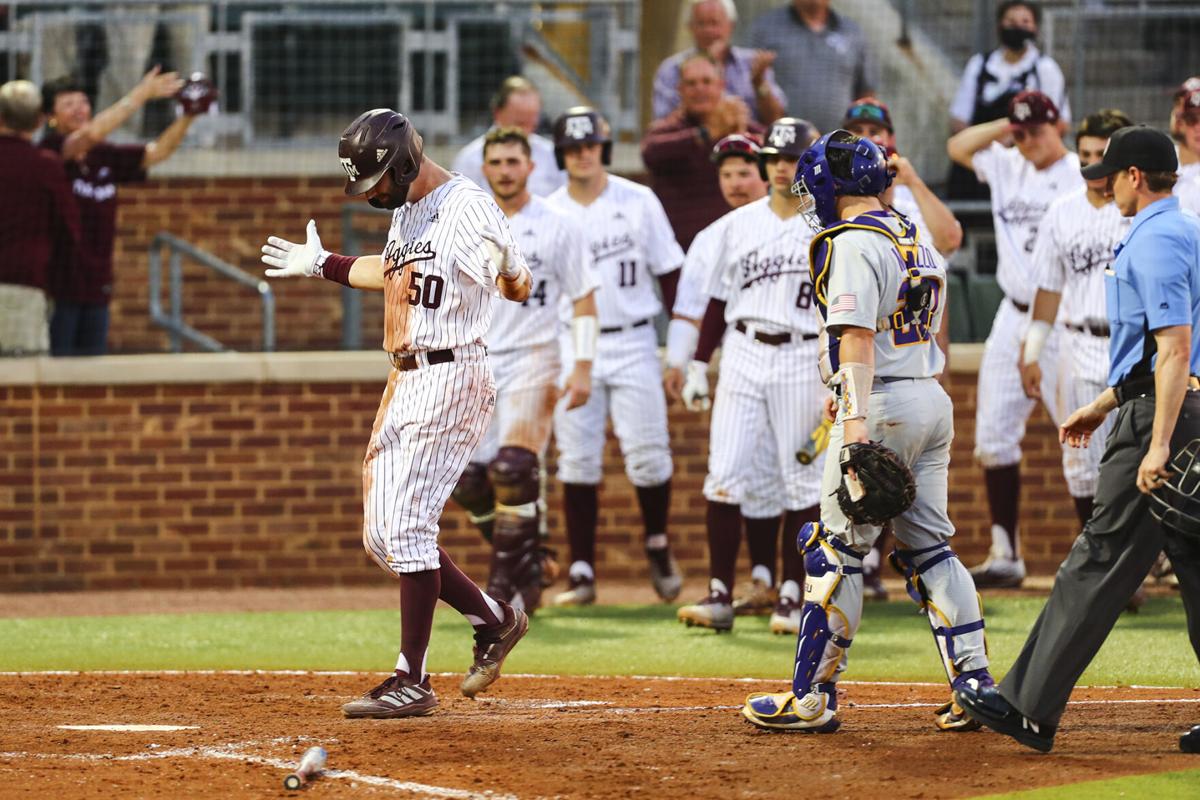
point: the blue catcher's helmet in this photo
(838, 164)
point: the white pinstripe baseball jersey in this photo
(1021, 193)
(553, 249)
(543, 181)
(1075, 245)
(690, 297)
(439, 279)
(1187, 188)
(761, 270)
(628, 239)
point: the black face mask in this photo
(1015, 38)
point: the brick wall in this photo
(256, 483)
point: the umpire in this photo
(1154, 310)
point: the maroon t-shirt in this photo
(39, 221)
(94, 182)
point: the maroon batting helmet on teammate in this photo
(788, 136)
(735, 144)
(581, 125)
(378, 141)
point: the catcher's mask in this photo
(1174, 504)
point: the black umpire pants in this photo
(1107, 563)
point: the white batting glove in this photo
(695, 387)
(501, 252)
(290, 259)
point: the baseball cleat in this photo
(998, 572)
(1190, 741)
(550, 566)
(491, 648)
(951, 716)
(783, 712)
(786, 617)
(664, 574)
(396, 697)
(756, 600)
(985, 704)
(714, 611)
(581, 592)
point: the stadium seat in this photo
(984, 297)
(960, 309)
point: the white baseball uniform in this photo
(523, 339)
(769, 375)
(1187, 188)
(545, 179)
(904, 202)
(1075, 245)
(1021, 193)
(628, 240)
(439, 288)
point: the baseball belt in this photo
(773, 339)
(1099, 329)
(1143, 386)
(409, 361)
(641, 323)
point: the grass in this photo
(1183, 785)
(893, 643)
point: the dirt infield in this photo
(542, 737)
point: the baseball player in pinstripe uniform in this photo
(500, 487)
(448, 254)
(629, 243)
(1024, 180)
(1075, 245)
(760, 286)
(879, 291)
(738, 173)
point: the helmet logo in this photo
(1021, 111)
(380, 153)
(783, 135)
(351, 170)
(579, 127)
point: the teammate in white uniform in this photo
(1024, 181)
(879, 290)
(448, 254)
(629, 243)
(516, 103)
(1185, 128)
(500, 486)
(760, 286)
(1076, 243)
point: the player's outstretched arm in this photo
(288, 259)
(963, 145)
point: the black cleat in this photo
(985, 704)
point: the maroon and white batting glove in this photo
(501, 252)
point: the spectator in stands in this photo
(95, 167)
(39, 223)
(516, 104)
(991, 80)
(747, 73)
(1185, 128)
(822, 61)
(677, 149)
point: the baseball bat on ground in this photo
(311, 766)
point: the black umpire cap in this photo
(1141, 146)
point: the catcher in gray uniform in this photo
(880, 291)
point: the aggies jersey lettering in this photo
(553, 249)
(761, 270)
(439, 280)
(874, 272)
(628, 239)
(1021, 193)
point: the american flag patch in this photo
(843, 303)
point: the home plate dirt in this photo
(531, 737)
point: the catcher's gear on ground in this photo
(378, 141)
(788, 136)
(582, 125)
(1174, 504)
(197, 95)
(881, 488)
(695, 391)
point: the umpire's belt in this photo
(1100, 329)
(774, 339)
(407, 361)
(641, 323)
(1143, 386)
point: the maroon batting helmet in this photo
(736, 144)
(378, 141)
(581, 125)
(788, 136)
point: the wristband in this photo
(1035, 340)
(335, 267)
(584, 331)
(682, 338)
(855, 380)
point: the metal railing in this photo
(173, 319)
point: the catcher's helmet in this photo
(839, 164)
(1174, 504)
(378, 141)
(735, 144)
(788, 136)
(581, 125)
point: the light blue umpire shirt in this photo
(1154, 283)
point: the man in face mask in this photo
(991, 80)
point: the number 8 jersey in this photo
(628, 239)
(439, 280)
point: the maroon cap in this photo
(736, 144)
(1188, 88)
(1032, 108)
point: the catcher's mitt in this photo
(882, 488)
(197, 94)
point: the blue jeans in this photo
(79, 329)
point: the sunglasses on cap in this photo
(869, 112)
(735, 144)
